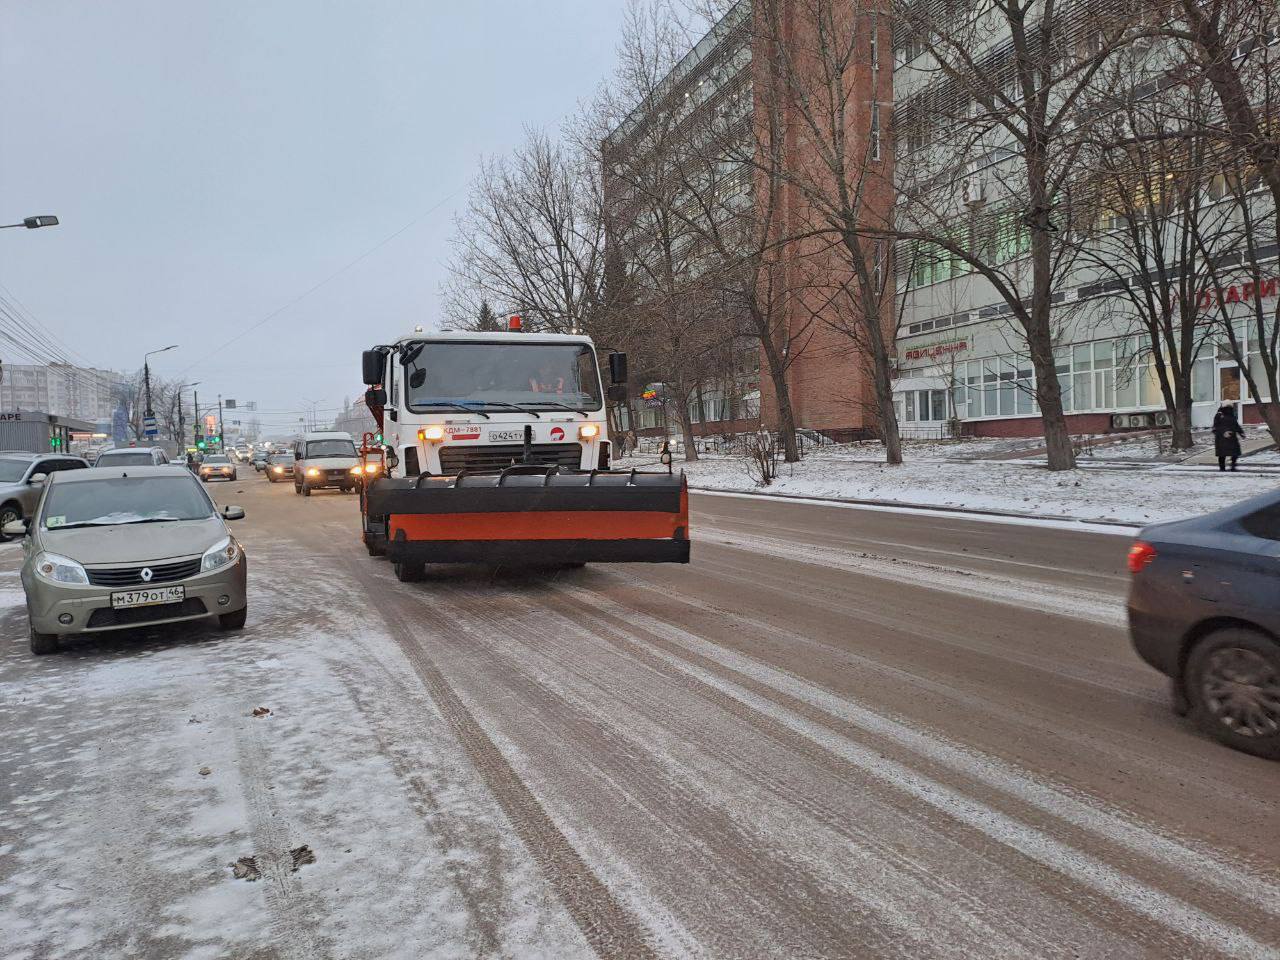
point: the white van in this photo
(325, 459)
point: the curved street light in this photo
(146, 377)
(31, 223)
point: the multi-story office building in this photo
(962, 359)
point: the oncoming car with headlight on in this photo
(279, 466)
(110, 548)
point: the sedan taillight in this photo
(1140, 554)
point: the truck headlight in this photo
(59, 569)
(313, 472)
(432, 433)
(588, 431)
(357, 470)
(219, 555)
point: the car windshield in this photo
(130, 458)
(282, 458)
(11, 471)
(119, 500)
(216, 458)
(549, 375)
(331, 448)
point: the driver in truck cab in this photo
(545, 381)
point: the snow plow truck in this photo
(494, 448)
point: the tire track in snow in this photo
(839, 852)
(1095, 607)
(609, 928)
(1166, 910)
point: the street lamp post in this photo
(182, 424)
(146, 380)
(31, 223)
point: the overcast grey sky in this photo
(211, 160)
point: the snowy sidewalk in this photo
(1133, 496)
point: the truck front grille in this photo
(491, 458)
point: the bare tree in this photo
(661, 273)
(822, 104)
(996, 193)
(1161, 230)
(531, 239)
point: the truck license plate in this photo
(147, 598)
(498, 436)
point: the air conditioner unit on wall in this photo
(1118, 421)
(973, 191)
(1163, 419)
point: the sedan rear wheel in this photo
(1233, 684)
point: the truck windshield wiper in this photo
(455, 406)
(512, 406)
(560, 406)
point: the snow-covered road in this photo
(837, 733)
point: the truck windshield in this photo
(480, 375)
(330, 448)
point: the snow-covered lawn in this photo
(1135, 496)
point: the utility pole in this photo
(222, 436)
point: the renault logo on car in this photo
(146, 574)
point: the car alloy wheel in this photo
(8, 514)
(1242, 690)
(1233, 681)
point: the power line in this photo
(333, 276)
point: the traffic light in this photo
(200, 444)
(377, 438)
(55, 443)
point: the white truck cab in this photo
(480, 402)
(325, 459)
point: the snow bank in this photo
(1134, 496)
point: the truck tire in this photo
(409, 572)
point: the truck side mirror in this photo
(373, 366)
(618, 367)
(617, 393)
(375, 397)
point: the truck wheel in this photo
(1233, 688)
(375, 548)
(409, 572)
(42, 643)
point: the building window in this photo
(875, 42)
(877, 277)
(875, 131)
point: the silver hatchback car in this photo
(114, 547)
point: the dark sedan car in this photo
(1204, 609)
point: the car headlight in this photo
(219, 555)
(313, 472)
(59, 569)
(279, 469)
(357, 469)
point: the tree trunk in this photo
(885, 412)
(782, 396)
(1270, 412)
(1181, 416)
(1057, 439)
(686, 433)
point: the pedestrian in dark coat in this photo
(1226, 435)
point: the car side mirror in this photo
(15, 528)
(232, 512)
(38, 478)
(618, 367)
